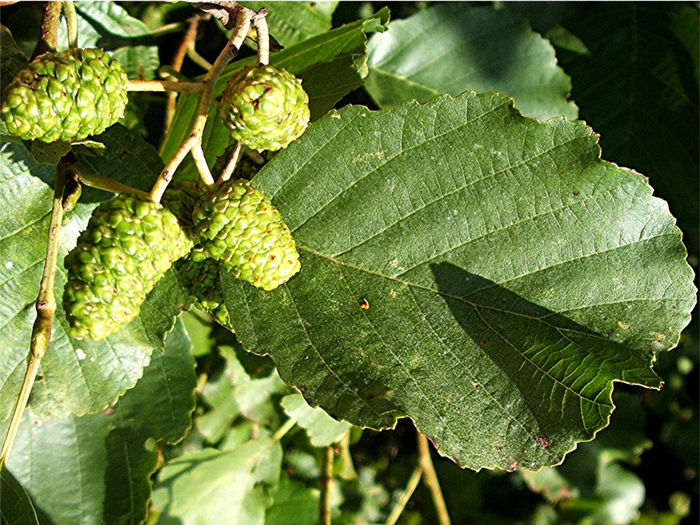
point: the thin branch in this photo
(45, 308)
(324, 510)
(179, 57)
(106, 183)
(200, 161)
(163, 85)
(243, 17)
(431, 480)
(71, 22)
(406, 496)
(281, 431)
(197, 58)
(48, 38)
(231, 164)
(263, 37)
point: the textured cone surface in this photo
(127, 247)
(201, 278)
(180, 199)
(239, 226)
(265, 107)
(65, 96)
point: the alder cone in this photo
(128, 245)
(265, 108)
(65, 96)
(239, 227)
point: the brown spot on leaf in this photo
(512, 465)
(543, 441)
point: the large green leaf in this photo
(638, 86)
(483, 273)
(15, 506)
(330, 66)
(95, 469)
(292, 22)
(77, 377)
(211, 487)
(453, 47)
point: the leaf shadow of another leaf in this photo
(536, 347)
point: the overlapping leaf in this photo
(95, 468)
(483, 273)
(452, 47)
(77, 377)
(292, 22)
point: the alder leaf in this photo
(76, 377)
(483, 273)
(452, 47)
(96, 468)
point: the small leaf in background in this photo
(293, 504)
(638, 87)
(15, 505)
(452, 47)
(219, 487)
(77, 377)
(101, 457)
(291, 22)
(507, 276)
(321, 428)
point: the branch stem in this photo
(231, 164)
(406, 496)
(164, 85)
(324, 511)
(194, 139)
(200, 162)
(107, 184)
(197, 58)
(431, 480)
(48, 37)
(281, 431)
(45, 308)
(71, 22)
(263, 37)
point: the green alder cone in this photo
(239, 226)
(65, 96)
(128, 245)
(201, 278)
(265, 107)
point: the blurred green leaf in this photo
(292, 22)
(77, 377)
(13, 60)
(321, 428)
(293, 504)
(495, 254)
(95, 468)
(213, 487)
(15, 506)
(452, 47)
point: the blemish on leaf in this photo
(623, 325)
(512, 465)
(392, 292)
(543, 441)
(498, 448)
(364, 304)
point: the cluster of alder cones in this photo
(130, 242)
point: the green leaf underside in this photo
(219, 487)
(452, 47)
(322, 429)
(511, 277)
(104, 454)
(330, 65)
(76, 377)
(292, 22)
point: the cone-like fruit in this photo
(239, 226)
(265, 107)
(128, 245)
(201, 278)
(180, 199)
(65, 96)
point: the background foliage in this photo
(199, 432)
